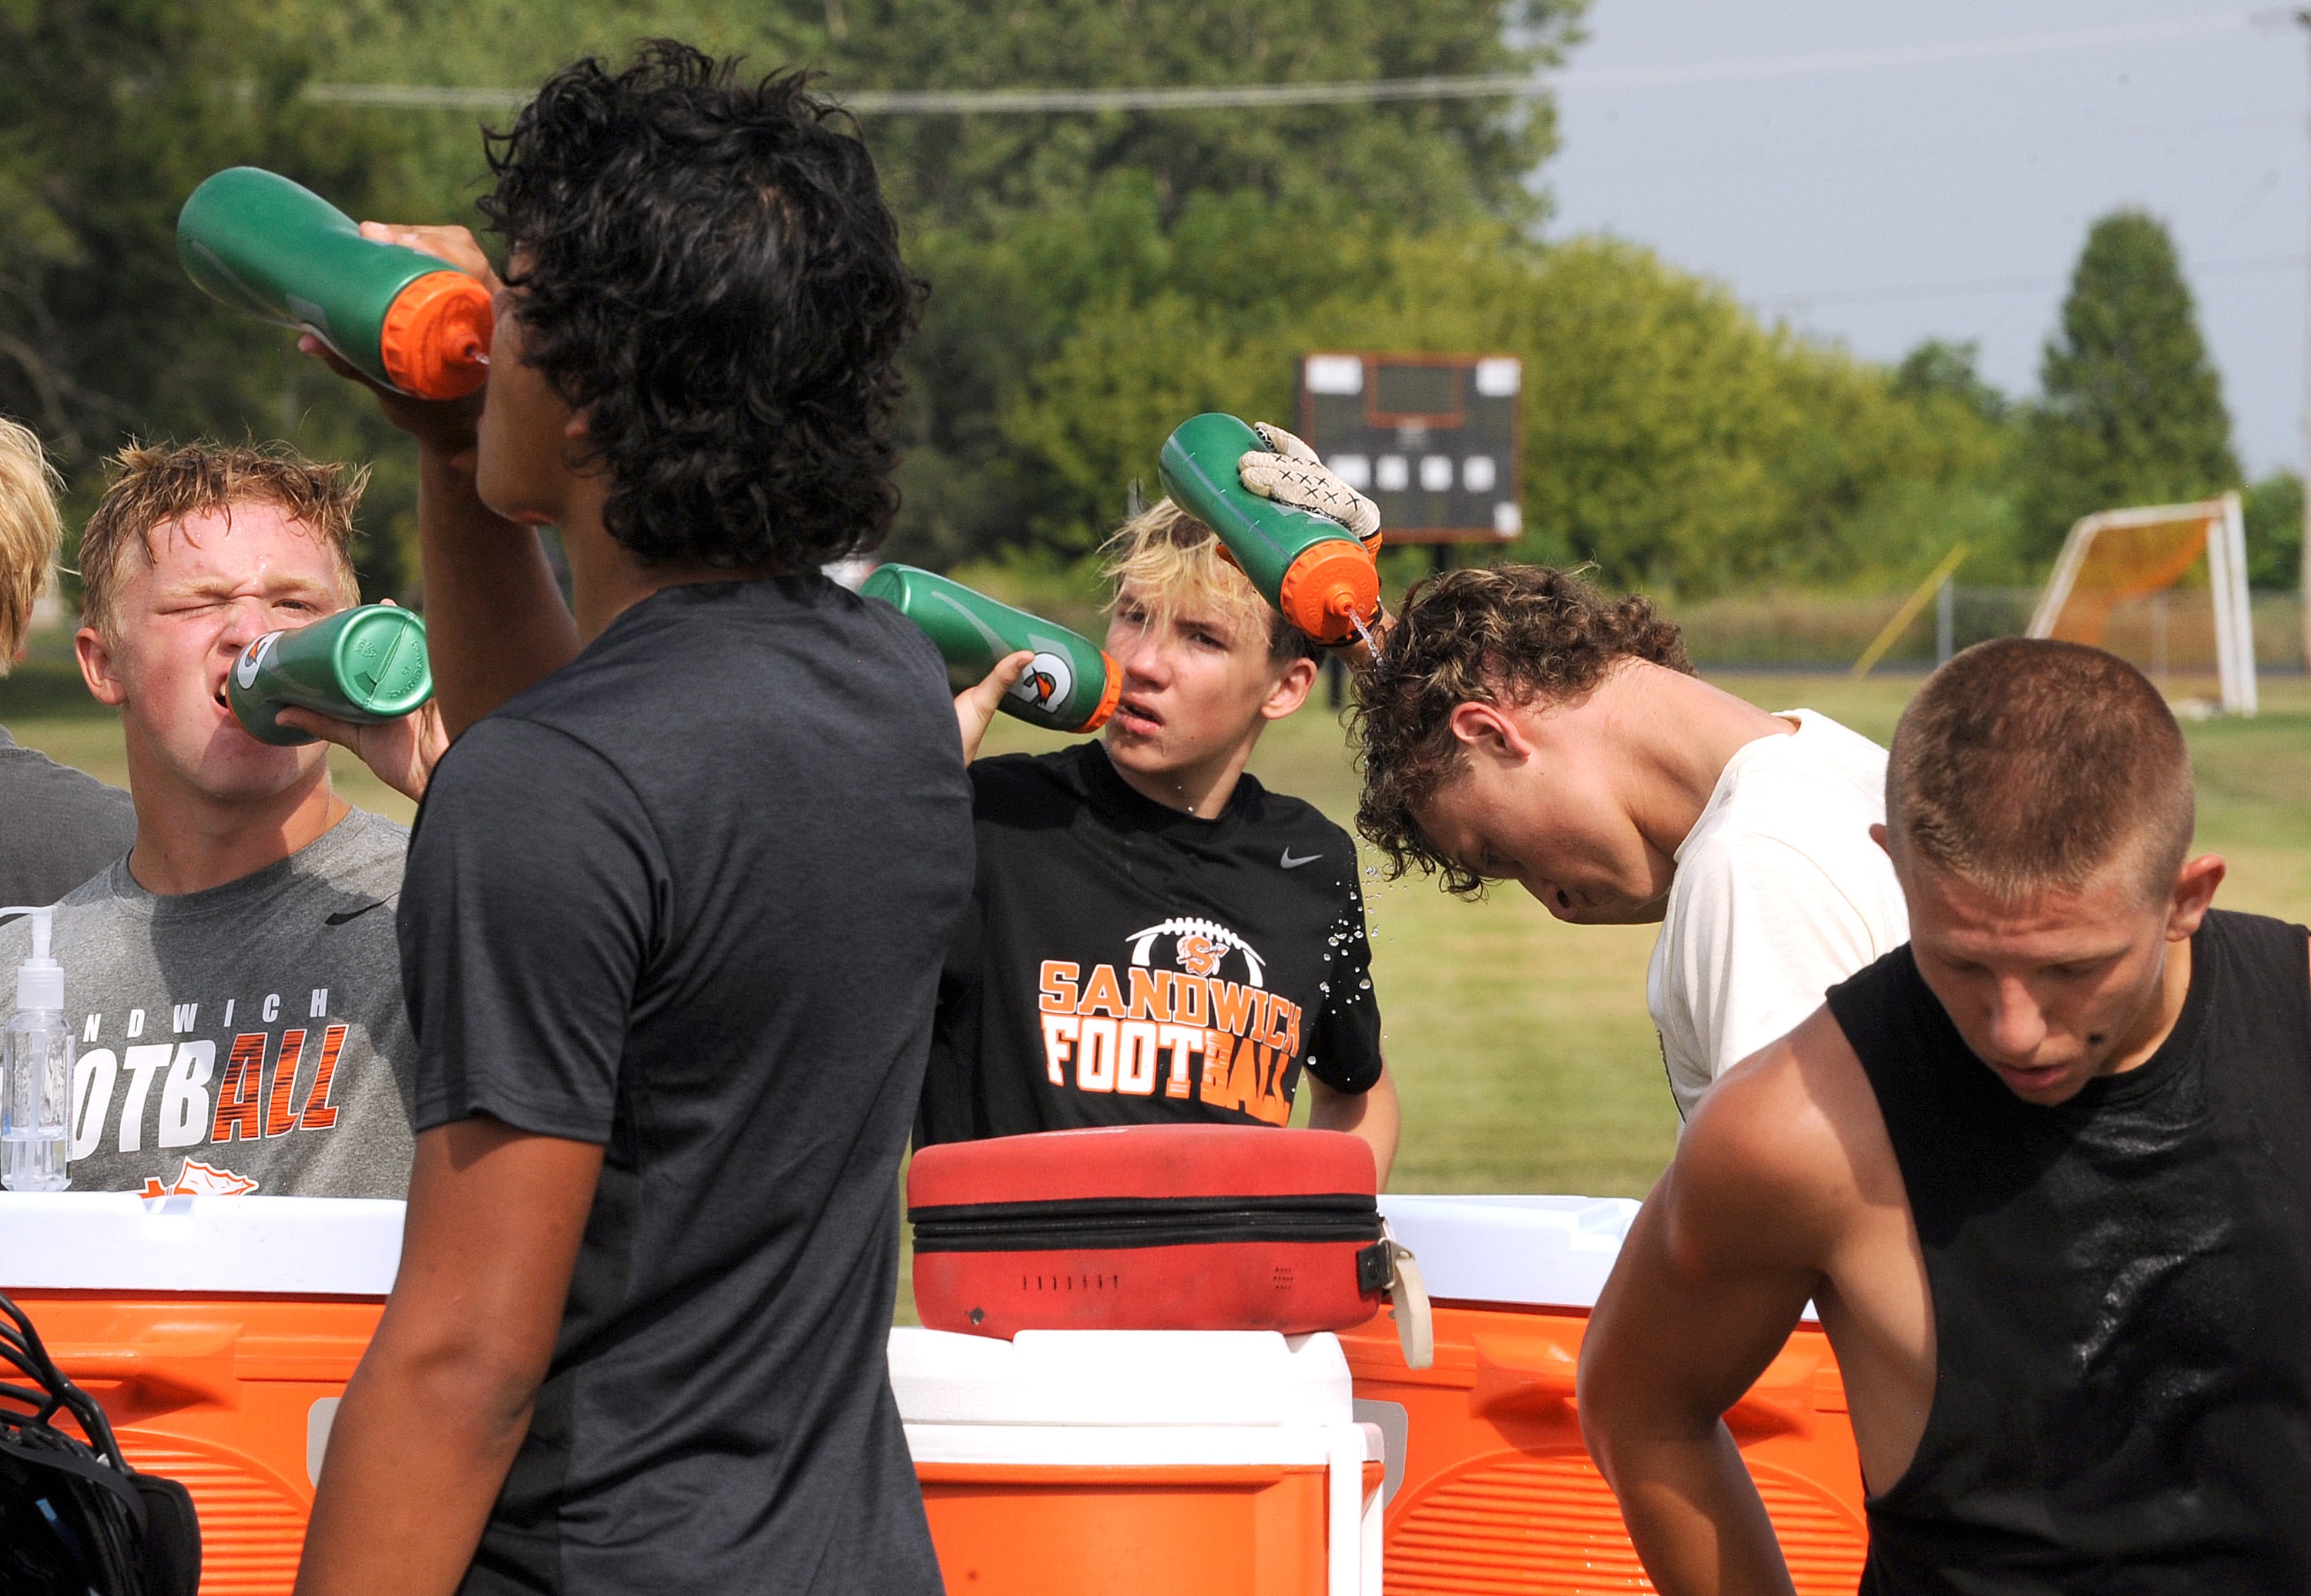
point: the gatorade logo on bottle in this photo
(253, 657)
(1047, 680)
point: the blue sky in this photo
(1879, 174)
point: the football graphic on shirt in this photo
(1187, 1013)
(197, 1178)
(1199, 947)
(1048, 680)
(1199, 956)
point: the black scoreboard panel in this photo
(1431, 438)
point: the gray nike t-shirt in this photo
(249, 1038)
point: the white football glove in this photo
(1292, 473)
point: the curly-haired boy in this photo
(1516, 724)
(676, 896)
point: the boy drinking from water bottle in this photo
(1152, 935)
(676, 896)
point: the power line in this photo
(1983, 286)
(1486, 86)
(1725, 152)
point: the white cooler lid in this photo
(1550, 1252)
(1245, 1378)
(117, 1241)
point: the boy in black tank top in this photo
(2045, 1175)
(1152, 935)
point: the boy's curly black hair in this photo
(1513, 634)
(708, 269)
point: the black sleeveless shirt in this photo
(2121, 1293)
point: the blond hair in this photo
(28, 532)
(153, 485)
(1172, 560)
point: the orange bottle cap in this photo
(1332, 586)
(1110, 695)
(436, 341)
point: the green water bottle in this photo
(1310, 568)
(367, 664)
(260, 243)
(1071, 686)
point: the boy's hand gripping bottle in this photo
(367, 664)
(1309, 567)
(260, 243)
(1071, 686)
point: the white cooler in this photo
(1145, 1462)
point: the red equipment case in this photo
(1147, 1227)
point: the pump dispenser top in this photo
(40, 979)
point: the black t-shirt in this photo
(1123, 963)
(686, 898)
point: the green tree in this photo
(2273, 512)
(1667, 436)
(1939, 369)
(1030, 227)
(112, 110)
(2133, 409)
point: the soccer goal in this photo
(2121, 584)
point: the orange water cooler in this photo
(1487, 1488)
(217, 1333)
(1141, 1462)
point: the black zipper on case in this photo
(1091, 1222)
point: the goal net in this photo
(2163, 586)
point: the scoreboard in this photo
(1431, 438)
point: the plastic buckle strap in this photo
(1416, 1326)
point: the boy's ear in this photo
(1292, 684)
(99, 667)
(1488, 731)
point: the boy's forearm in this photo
(416, 1458)
(1371, 1115)
(1694, 1514)
(495, 622)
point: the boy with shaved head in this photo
(2043, 1171)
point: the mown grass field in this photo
(1522, 1046)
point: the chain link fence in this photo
(2173, 631)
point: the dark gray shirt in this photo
(57, 826)
(686, 899)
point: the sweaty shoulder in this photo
(1791, 1140)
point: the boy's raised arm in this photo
(496, 621)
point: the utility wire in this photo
(1488, 86)
(1996, 285)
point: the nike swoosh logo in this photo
(1289, 863)
(343, 915)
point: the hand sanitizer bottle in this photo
(36, 1071)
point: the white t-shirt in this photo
(1780, 894)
